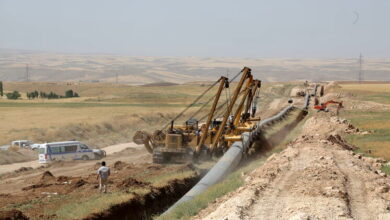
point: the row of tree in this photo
(11, 95)
(33, 95)
(51, 95)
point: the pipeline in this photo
(233, 156)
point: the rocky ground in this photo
(317, 176)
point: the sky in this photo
(204, 28)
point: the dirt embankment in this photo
(140, 183)
(316, 177)
(17, 155)
(110, 150)
(145, 206)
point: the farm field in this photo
(371, 117)
(105, 114)
(142, 70)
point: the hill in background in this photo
(145, 70)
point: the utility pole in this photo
(360, 68)
(116, 78)
(27, 76)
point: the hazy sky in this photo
(258, 28)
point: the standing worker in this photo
(102, 174)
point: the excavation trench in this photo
(233, 157)
(160, 199)
(149, 205)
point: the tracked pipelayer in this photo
(177, 143)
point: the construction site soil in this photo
(37, 191)
(317, 176)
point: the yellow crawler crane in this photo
(179, 143)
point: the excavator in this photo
(324, 106)
(224, 123)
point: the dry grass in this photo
(377, 121)
(94, 204)
(382, 88)
(368, 92)
(124, 108)
(21, 155)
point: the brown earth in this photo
(42, 184)
(316, 177)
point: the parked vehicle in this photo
(4, 147)
(69, 150)
(34, 146)
(22, 143)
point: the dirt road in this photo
(130, 153)
(316, 177)
(34, 164)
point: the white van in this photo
(22, 143)
(69, 150)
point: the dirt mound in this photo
(331, 96)
(4, 195)
(322, 125)
(118, 165)
(36, 186)
(23, 169)
(129, 182)
(62, 179)
(47, 176)
(155, 167)
(79, 183)
(12, 215)
(297, 91)
(314, 169)
(336, 139)
(332, 85)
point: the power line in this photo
(27, 76)
(360, 68)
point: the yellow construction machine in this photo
(224, 124)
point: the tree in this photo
(69, 94)
(1, 89)
(42, 95)
(52, 95)
(13, 95)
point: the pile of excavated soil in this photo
(40, 185)
(332, 85)
(350, 102)
(315, 177)
(129, 182)
(47, 175)
(12, 215)
(118, 165)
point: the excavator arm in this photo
(143, 137)
(324, 106)
(246, 74)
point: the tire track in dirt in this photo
(275, 198)
(355, 189)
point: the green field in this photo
(376, 121)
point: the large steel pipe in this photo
(233, 156)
